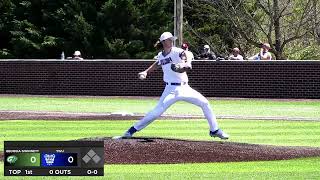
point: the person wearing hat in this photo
(207, 54)
(235, 54)
(77, 55)
(174, 64)
(189, 54)
(264, 53)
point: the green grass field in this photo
(284, 133)
(258, 132)
(238, 107)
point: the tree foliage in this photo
(278, 22)
(129, 29)
(204, 24)
(98, 28)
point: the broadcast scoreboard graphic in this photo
(53, 158)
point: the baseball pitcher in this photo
(175, 64)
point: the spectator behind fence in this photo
(264, 53)
(235, 54)
(207, 54)
(189, 54)
(76, 56)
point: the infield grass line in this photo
(222, 107)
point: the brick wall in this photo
(257, 79)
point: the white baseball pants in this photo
(172, 94)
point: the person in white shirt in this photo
(264, 53)
(235, 54)
(175, 63)
(189, 54)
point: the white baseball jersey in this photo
(190, 57)
(166, 60)
(174, 93)
(238, 57)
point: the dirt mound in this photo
(165, 151)
(158, 150)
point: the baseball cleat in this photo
(219, 133)
(127, 135)
(116, 137)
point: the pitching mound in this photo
(158, 150)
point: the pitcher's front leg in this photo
(164, 103)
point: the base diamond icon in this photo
(86, 158)
(91, 155)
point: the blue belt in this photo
(176, 84)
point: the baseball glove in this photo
(179, 67)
